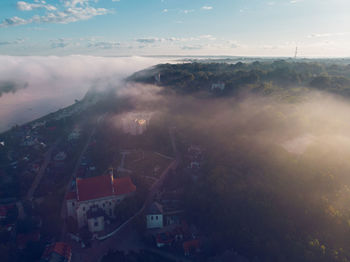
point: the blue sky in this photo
(175, 27)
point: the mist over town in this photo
(168, 130)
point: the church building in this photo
(95, 199)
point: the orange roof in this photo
(103, 186)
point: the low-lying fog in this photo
(31, 87)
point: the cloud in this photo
(149, 40)
(104, 44)
(206, 7)
(10, 86)
(295, 1)
(209, 37)
(165, 10)
(15, 42)
(13, 21)
(55, 82)
(73, 11)
(317, 35)
(24, 6)
(60, 43)
(187, 11)
(192, 47)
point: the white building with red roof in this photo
(95, 199)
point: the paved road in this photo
(41, 171)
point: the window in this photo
(83, 208)
(73, 203)
(103, 204)
(96, 224)
(156, 217)
(151, 217)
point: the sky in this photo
(319, 28)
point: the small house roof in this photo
(155, 209)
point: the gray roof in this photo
(154, 209)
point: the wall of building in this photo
(96, 224)
(107, 204)
(71, 206)
(154, 221)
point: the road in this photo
(74, 174)
(41, 171)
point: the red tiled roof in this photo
(103, 186)
(22, 239)
(3, 211)
(71, 195)
(187, 245)
(60, 248)
(63, 249)
(123, 186)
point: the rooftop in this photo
(103, 186)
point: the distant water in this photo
(31, 87)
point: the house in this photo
(58, 252)
(61, 156)
(218, 86)
(23, 239)
(75, 134)
(191, 246)
(3, 212)
(164, 239)
(96, 194)
(154, 216)
(195, 165)
(157, 78)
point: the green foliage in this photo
(194, 77)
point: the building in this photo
(154, 216)
(3, 212)
(75, 134)
(58, 252)
(95, 199)
(191, 246)
(218, 86)
(157, 78)
(135, 123)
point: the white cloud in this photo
(24, 6)
(72, 11)
(15, 42)
(187, 11)
(149, 40)
(192, 47)
(13, 21)
(104, 44)
(207, 7)
(165, 10)
(318, 35)
(295, 1)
